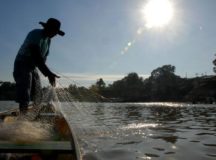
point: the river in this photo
(132, 131)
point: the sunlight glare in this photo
(157, 13)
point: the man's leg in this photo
(36, 89)
(23, 89)
(23, 108)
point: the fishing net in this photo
(75, 102)
(78, 105)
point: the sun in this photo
(157, 13)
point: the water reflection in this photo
(139, 125)
(133, 112)
(148, 130)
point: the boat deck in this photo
(58, 147)
(39, 147)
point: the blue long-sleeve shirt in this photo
(34, 51)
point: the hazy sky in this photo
(97, 31)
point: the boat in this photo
(62, 146)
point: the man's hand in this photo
(52, 79)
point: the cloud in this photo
(77, 76)
(88, 76)
(87, 79)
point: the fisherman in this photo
(32, 55)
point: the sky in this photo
(103, 40)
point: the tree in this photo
(100, 84)
(165, 70)
(7, 91)
(214, 68)
(98, 87)
(129, 88)
(94, 88)
(164, 83)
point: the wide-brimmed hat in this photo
(53, 23)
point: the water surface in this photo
(144, 130)
(130, 131)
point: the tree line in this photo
(162, 85)
(7, 91)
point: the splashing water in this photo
(133, 130)
(77, 108)
(24, 131)
(24, 128)
(139, 125)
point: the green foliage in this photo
(129, 88)
(214, 68)
(99, 88)
(162, 85)
(100, 84)
(81, 94)
(166, 70)
(7, 91)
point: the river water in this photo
(132, 131)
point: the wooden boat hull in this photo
(63, 145)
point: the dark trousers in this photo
(28, 87)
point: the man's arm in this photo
(40, 63)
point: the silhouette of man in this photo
(32, 55)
